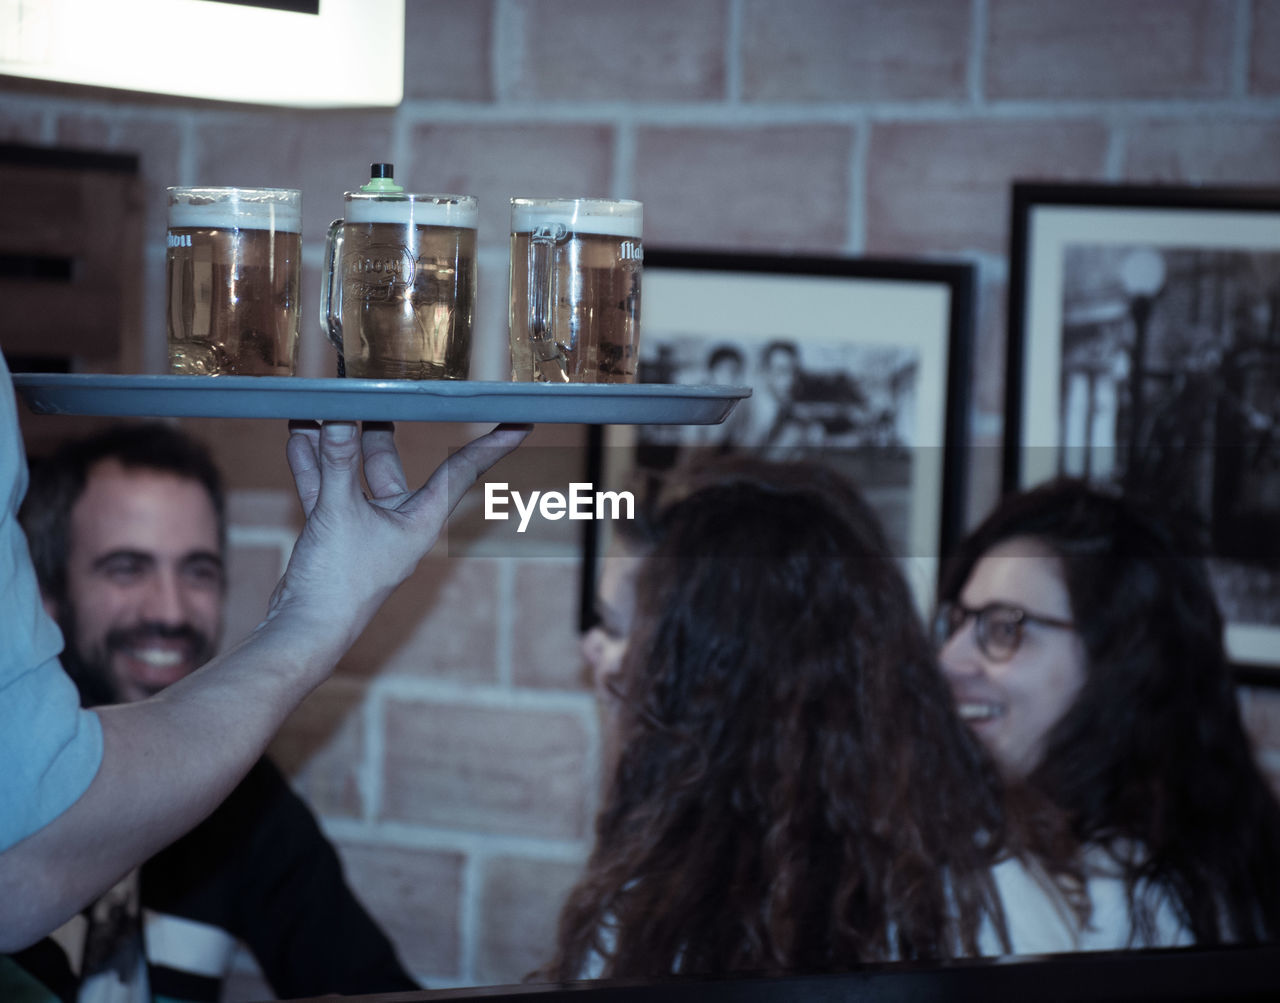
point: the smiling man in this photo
(127, 531)
(140, 600)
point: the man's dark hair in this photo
(725, 353)
(58, 481)
(780, 345)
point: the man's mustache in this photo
(131, 637)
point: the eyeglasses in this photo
(997, 626)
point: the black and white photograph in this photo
(851, 405)
(1149, 346)
(851, 362)
(803, 396)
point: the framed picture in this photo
(857, 362)
(1144, 351)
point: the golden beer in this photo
(576, 266)
(403, 286)
(233, 264)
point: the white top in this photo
(50, 747)
(1038, 918)
(1040, 921)
(1111, 924)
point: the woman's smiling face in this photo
(1012, 703)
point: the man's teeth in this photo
(159, 658)
(979, 711)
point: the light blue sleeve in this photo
(50, 749)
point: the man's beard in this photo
(91, 671)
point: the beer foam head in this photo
(420, 210)
(236, 208)
(610, 217)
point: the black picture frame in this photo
(883, 349)
(1179, 285)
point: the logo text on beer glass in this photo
(583, 502)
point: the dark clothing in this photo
(259, 869)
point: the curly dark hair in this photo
(1151, 760)
(794, 791)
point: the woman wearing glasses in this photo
(1083, 645)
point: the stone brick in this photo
(944, 186)
(496, 162)
(854, 50)
(156, 142)
(248, 451)
(87, 130)
(1264, 67)
(773, 187)
(252, 572)
(273, 509)
(155, 350)
(447, 50)
(439, 623)
(520, 902)
(488, 770)
(321, 747)
(552, 456)
(545, 633)
(536, 467)
(1224, 151)
(415, 896)
(1099, 49)
(20, 121)
(617, 50)
(323, 153)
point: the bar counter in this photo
(1217, 974)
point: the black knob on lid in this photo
(382, 170)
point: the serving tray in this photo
(376, 400)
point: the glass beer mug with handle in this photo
(398, 288)
(575, 289)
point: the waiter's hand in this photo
(355, 549)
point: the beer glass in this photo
(398, 289)
(575, 290)
(233, 265)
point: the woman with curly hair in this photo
(792, 791)
(1084, 645)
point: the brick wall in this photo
(453, 756)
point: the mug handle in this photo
(549, 355)
(331, 291)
